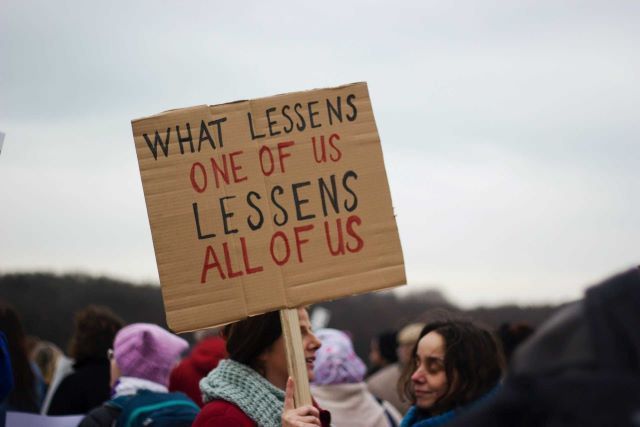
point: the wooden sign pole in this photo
(295, 355)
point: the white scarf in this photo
(127, 386)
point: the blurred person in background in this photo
(248, 388)
(28, 386)
(141, 361)
(204, 357)
(31, 342)
(338, 385)
(407, 339)
(88, 386)
(455, 365)
(382, 351)
(54, 369)
(45, 355)
(384, 383)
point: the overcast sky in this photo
(510, 129)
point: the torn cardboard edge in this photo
(200, 106)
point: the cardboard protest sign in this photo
(265, 204)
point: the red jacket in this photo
(203, 358)
(220, 413)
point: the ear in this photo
(262, 357)
(262, 361)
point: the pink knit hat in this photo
(147, 351)
(336, 361)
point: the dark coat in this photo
(580, 369)
(83, 390)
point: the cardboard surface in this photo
(247, 200)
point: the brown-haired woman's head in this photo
(249, 338)
(94, 330)
(453, 363)
(258, 343)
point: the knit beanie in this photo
(147, 351)
(410, 334)
(336, 361)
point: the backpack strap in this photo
(392, 422)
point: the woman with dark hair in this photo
(454, 365)
(382, 351)
(28, 387)
(248, 389)
(88, 386)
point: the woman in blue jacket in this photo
(455, 365)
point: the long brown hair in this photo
(473, 363)
(95, 327)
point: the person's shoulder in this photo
(80, 391)
(68, 392)
(224, 414)
(102, 416)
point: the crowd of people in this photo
(581, 368)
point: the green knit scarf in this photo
(239, 384)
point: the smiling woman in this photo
(454, 365)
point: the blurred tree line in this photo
(366, 316)
(48, 302)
